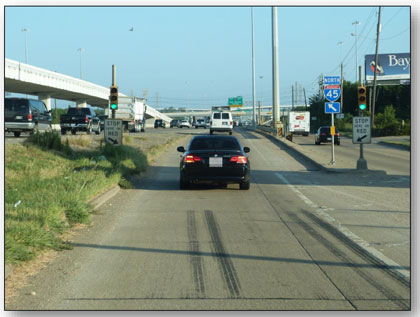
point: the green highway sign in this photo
(235, 101)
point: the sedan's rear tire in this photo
(244, 185)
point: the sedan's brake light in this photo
(30, 117)
(192, 159)
(240, 159)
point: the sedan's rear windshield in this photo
(214, 144)
(16, 105)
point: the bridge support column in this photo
(81, 103)
(46, 98)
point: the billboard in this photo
(390, 67)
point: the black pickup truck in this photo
(80, 119)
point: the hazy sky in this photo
(200, 56)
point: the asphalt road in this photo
(282, 245)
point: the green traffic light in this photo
(362, 107)
(114, 106)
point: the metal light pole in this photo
(262, 83)
(80, 50)
(356, 23)
(276, 97)
(26, 49)
(186, 88)
(254, 123)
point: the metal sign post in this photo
(332, 139)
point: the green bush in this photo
(386, 123)
(50, 141)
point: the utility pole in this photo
(276, 97)
(341, 77)
(80, 50)
(378, 31)
(293, 98)
(304, 95)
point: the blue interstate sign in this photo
(332, 107)
(332, 80)
(332, 94)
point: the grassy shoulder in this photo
(48, 184)
(399, 144)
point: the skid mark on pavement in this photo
(195, 257)
(225, 263)
(321, 212)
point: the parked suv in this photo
(160, 123)
(26, 115)
(221, 121)
(323, 136)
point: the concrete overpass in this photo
(27, 79)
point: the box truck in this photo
(299, 122)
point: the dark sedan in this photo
(216, 159)
(323, 135)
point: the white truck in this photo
(299, 122)
(131, 111)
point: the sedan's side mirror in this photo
(180, 149)
(246, 149)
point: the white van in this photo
(221, 121)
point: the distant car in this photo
(217, 159)
(200, 123)
(160, 123)
(26, 115)
(174, 123)
(221, 121)
(185, 124)
(323, 135)
(102, 118)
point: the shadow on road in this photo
(167, 178)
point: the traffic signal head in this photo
(361, 97)
(113, 97)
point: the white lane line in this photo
(356, 239)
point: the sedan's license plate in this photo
(216, 162)
(329, 139)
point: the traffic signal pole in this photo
(114, 92)
(361, 162)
